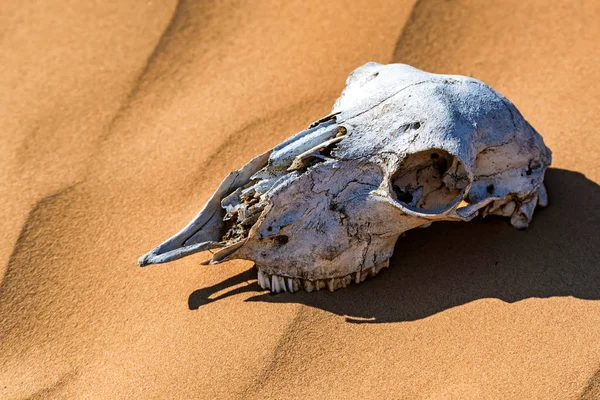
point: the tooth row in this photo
(279, 284)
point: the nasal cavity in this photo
(429, 180)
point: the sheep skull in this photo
(401, 149)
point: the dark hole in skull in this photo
(327, 151)
(429, 179)
(240, 211)
(324, 153)
(280, 240)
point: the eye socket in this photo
(429, 180)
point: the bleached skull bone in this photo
(401, 149)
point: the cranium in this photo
(401, 149)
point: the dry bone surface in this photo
(401, 149)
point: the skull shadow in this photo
(450, 264)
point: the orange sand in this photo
(119, 120)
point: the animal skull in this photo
(401, 149)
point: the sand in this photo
(118, 122)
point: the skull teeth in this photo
(279, 284)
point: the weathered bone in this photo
(401, 149)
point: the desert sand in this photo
(119, 120)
